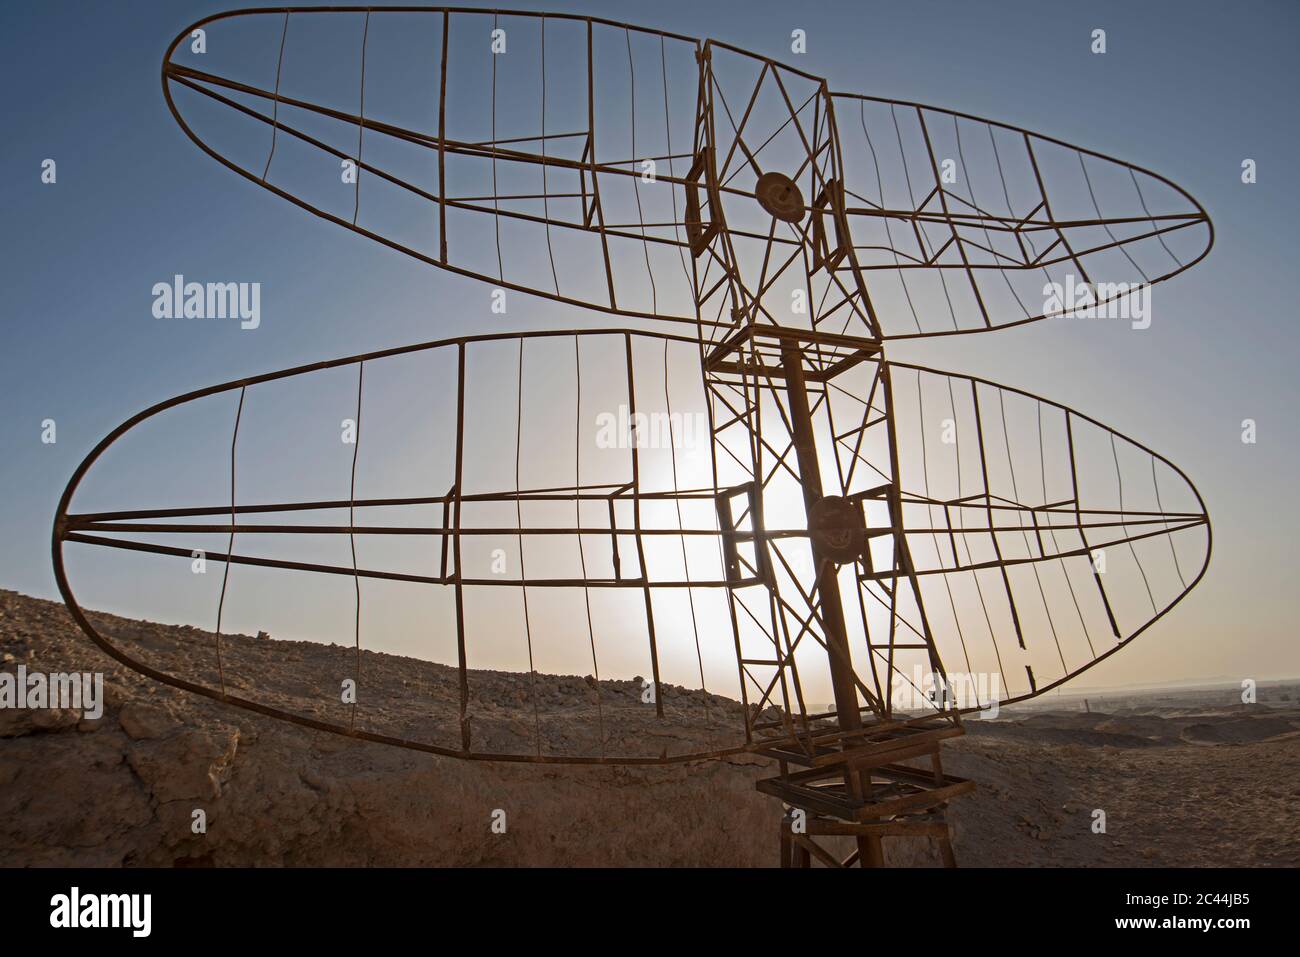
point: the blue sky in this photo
(1185, 89)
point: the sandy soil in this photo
(1201, 782)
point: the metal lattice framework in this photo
(850, 523)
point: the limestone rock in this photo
(146, 721)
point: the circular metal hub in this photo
(837, 529)
(778, 194)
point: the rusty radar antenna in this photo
(813, 552)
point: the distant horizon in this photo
(1065, 691)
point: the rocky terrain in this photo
(1208, 783)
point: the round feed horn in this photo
(780, 196)
(838, 529)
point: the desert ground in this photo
(1184, 778)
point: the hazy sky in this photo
(1186, 89)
